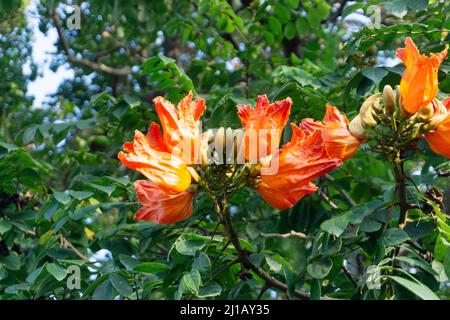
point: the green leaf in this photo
(81, 195)
(394, 237)
(62, 197)
(446, 263)
(316, 290)
(192, 281)
(202, 263)
(107, 189)
(419, 289)
(211, 290)
(336, 225)
(320, 269)
(121, 284)
(189, 244)
(5, 226)
(9, 147)
(104, 291)
(12, 262)
(128, 262)
(273, 264)
(375, 74)
(56, 271)
(151, 267)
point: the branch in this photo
(290, 234)
(67, 244)
(118, 72)
(401, 191)
(327, 199)
(244, 259)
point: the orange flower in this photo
(263, 126)
(160, 206)
(181, 126)
(339, 142)
(439, 139)
(300, 161)
(167, 171)
(419, 83)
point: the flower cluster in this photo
(282, 176)
(412, 110)
(182, 161)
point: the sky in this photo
(43, 52)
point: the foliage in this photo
(64, 196)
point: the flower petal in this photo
(181, 125)
(339, 141)
(419, 84)
(439, 139)
(263, 126)
(299, 162)
(160, 206)
(164, 169)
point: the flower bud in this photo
(440, 114)
(388, 99)
(357, 129)
(369, 109)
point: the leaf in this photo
(5, 226)
(192, 281)
(336, 225)
(394, 237)
(104, 291)
(121, 284)
(9, 147)
(211, 290)
(81, 195)
(446, 263)
(189, 244)
(12, 262)
(419, 289)
(151, 267)
(106, 189)
(274, 265)
(62, 197)
(316, 290)
(320, 269)
(58, 272)
(202, 263)
(128, 262)
(375, 74)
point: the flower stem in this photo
(400, 179)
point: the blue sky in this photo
(43, 52)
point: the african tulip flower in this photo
(165, 170)
(160, 206)
(166, 197)
(300, 161)
(181, 126)
(263, 126)
(419, 84)
(339, 141)
(439, 139)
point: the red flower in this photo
(339, 142)
(160, 206)
(263, 126)
(439, 139)
(419, 84)
(299, 162)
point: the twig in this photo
(119, 72)
(327, 199)
(67, 244)
(290, 234)
(244, 259)
(401, 191)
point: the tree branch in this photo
(244, 259)
(118, 72)
(401, 191)
(290, 234)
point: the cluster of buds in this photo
(396, 118)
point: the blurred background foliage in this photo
(66, 200)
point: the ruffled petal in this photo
(439, 139)
(419, 84)
(296, 165)
(160, 206)
(263, 126)
(164, 169)
(181, 126)
(339, 141)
